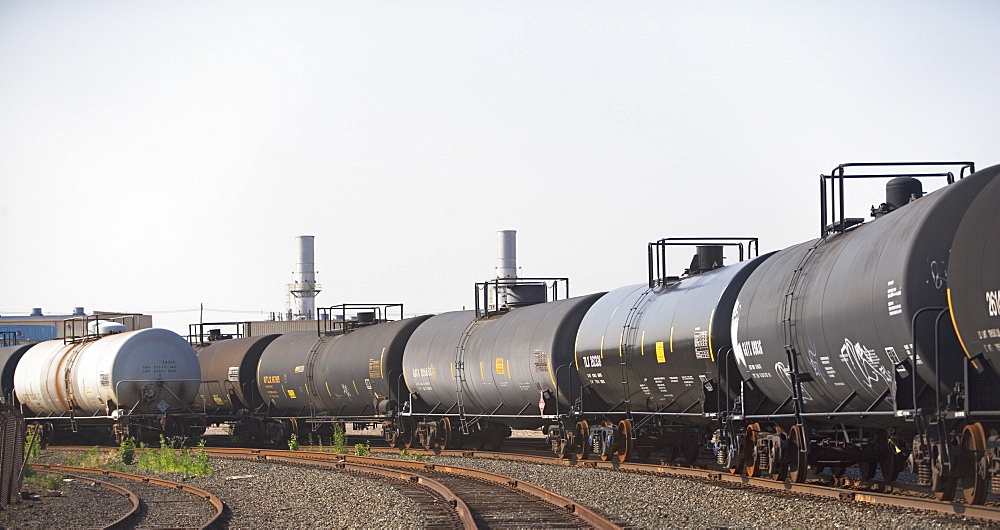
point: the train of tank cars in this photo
(876, 345)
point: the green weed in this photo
(126, 451)
(410, 456)
(167, 460)
(339, 439)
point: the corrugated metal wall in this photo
(33, 332)
(11, 457)
(268, 327)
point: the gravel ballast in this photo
(266, 495)
(648, 501)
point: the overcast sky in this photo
(155, 156)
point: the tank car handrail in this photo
(838, 175)
(569, 380)
(482, 288)
(752, 251)
(913, 360)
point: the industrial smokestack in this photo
(304, 288)
(507, 254)
(508, 291)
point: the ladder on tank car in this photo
(630, 329)
(788, 308)
(460, 381)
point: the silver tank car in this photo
(356, 374)
(845, 306)
(149, 371)
(662, 349)
(502, 366)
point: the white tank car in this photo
(148, 371)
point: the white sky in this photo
(159, 155)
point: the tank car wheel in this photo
(798, 466)
(626, 443)
(669, 453)
(734, 457)
(975, 471)
(606, 451)
(690, 450)
(867, 470)
(561, 449)
(409, 433)
(445, 426)
(495, 440)
(889, 462)
(750, 451)
(942, 486)
(582, 436)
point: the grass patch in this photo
(167, 460)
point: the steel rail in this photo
(884, 498)
(198, 492)
(565, 503)
(133, 499)
(457, 504)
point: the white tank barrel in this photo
(149, 371)
(507, 254)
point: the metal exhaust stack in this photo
(304, 289)
(511, 292)
(507, 254)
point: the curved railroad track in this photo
(899, 495)
(156, 503)
(481, 499)
(895, 494)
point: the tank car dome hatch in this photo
(899, 192)
(105, 327)
(706, 258)
(149, 371)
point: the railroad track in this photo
(480, 499)
(900, 495)
(155, 502)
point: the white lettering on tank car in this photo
(591, 361)
(895, 308)
(993, 303)
(701, 344)
(752, 348)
